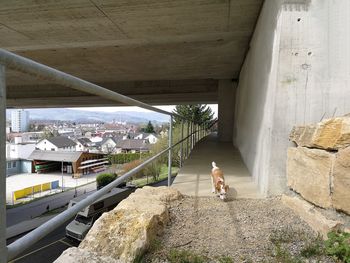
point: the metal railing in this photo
(15, 62)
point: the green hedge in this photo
(104, 179)
(121, 158)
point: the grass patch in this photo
(313, 248)
(163, 175)
(185, 256)
(338, 246)
(225, 259)
(282, 255)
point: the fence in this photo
(28, 191)
(15, 62)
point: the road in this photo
(37, 208)
(46, 250)
(51, 247)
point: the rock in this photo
(330, 134)
(78, 255)
(316, 220)
(341, 181)
(126, 232)
(308, 173)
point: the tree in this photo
(149, 128)
(198, 113)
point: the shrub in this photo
(131, 165)
(153, 170)
(338, 246)
(104, 179)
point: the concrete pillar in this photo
(3, 248)
(226, 98)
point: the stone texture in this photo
(330, 134)
(78, 255)
(308, 173)
(124, 233)
(316, 220)
(341, 181)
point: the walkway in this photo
(194, 177)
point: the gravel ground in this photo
(244, 230)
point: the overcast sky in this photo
(214, 107)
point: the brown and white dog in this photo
(218, 182)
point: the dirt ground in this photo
(244, 230)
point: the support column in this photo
(3, 248)
(226, 111)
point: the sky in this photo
(214, 107)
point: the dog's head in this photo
(222, 189)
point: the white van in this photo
(83, 221)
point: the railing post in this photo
(191, 136)
(170, 136)
(188, 138)
(3, 248)
(181, 146)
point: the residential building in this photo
(132, 145)
(19, 120)
(59, 143)
(83, 144)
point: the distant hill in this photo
(80, 115)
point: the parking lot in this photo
(20, 181)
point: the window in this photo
(52, 149)
(9, 165)
(14, 164)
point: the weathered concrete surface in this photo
(296, 72)
(330, 134)
(125, 233)
(309, 173)
(127, 41)
(341, 181)
(194, 177)
(317, 221)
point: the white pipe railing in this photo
(15, 62)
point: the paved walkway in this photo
(194, 177)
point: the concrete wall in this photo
(226, 96)
(297, 71)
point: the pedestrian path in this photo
(194, 177)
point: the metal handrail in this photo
(28, 66)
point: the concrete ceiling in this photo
(157, 51)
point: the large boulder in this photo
(308, 173)
(330, 134)
(341, 181)
(124, 233)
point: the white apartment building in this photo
(19, 120)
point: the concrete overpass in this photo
(159, 52)
(268, 64)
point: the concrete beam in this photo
(226, 107)
(162, 92)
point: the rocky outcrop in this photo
(341, 181)
(308, 173)
(330, 134)
(124, 233)
(319, 167)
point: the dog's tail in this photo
(214, 165)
